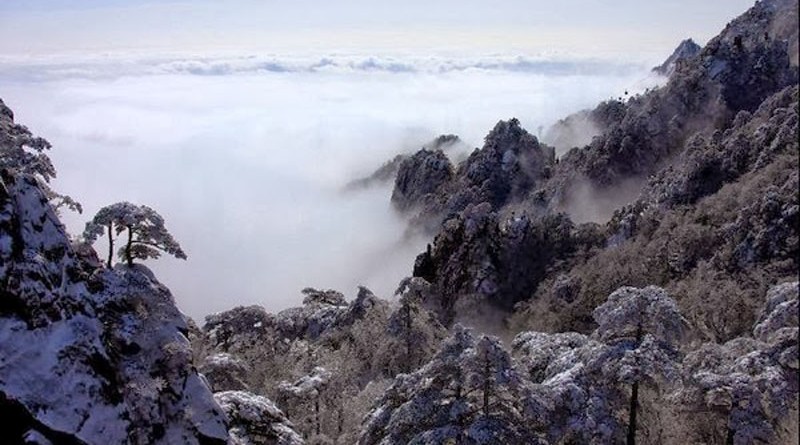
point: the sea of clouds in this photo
(247, 156)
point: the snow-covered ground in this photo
(245, 157)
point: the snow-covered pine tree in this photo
(751, 383)
(22, 153)
(304, 392)
(643, 327)
(147, 235)
(414, 332)
(470, 393)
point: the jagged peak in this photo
(687, 49)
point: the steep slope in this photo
(590, 389)
(729, 111)
(736, 71)
(716, 228)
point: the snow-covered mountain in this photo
(640, 286)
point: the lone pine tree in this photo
(147, 236)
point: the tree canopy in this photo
(147, 235)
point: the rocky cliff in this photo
(88, 354)
(90, 357)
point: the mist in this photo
(247, 161)
(584, 202)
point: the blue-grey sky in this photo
(594, 26)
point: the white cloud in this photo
(44, 68)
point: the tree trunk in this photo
(407, 366)
(731, 435)
(110, 247)
(128, 255)
(316, 415)
(632, 419)
(487, 386)
(634, 398)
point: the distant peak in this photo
(509, 135)
(5, 111)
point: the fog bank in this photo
(247, 164)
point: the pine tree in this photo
(22, 153)
(147, 236)
(643, 326)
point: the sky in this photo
(592, 27)
(242, 121)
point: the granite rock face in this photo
(510, 164)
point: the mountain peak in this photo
(687, 49)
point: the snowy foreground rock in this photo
(89, 355)
(255, 420)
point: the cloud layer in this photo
(246, 156)
(105, 67)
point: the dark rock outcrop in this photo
(419, 178)
(511, 163)
(480, 260)
(387, 173)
